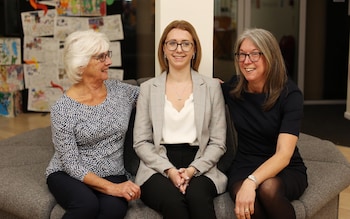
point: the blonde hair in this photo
(276, 73)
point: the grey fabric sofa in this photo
(24, 193)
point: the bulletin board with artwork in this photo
(44, 34)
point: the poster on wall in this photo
(11, 78)
(41, 49)
(37, 75)
(41, 98)
(45, 85)
(37, 23)
(10, 51)
(63, 26)
(111, 25)
(117, 74)
(10, 103)
(116, 54)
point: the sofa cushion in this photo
(328, 174)
(22, 166)
(24, 192)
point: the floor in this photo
(28, 121)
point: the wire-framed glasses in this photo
(185, 45)
(103, 56)
(253, 56)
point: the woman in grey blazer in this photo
(180, 131)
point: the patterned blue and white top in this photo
(91, 138)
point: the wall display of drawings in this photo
(11, 77)
(44, 36)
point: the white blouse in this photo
(179, 126)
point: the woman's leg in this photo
(276, 194)
(272, 200)
(200, 195)
(74, 196)
(160, 194)
(112, 207)
(271, 195)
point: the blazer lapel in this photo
(199, 93)
(157, 106)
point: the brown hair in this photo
(183, 25)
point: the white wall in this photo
(200, 14)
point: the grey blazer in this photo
(210, 123)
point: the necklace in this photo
(179, 96)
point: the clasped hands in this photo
(181, 177)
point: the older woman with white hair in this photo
(86, 174)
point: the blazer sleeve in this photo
(214, 132)
(153, 156)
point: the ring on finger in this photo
(131, 194)
(246, 211)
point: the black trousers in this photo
(159, 193)
(81, 201)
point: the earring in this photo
(164, 56)
(194, 55)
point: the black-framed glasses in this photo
(185, 45)
(253, 56)
(103, 56)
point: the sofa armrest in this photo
(328, 174)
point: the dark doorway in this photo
(337, 50)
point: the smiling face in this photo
(179, 59)
(254, 72)
(96, 69)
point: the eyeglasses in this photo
(185, 45)
(102, 57)
(253, 56)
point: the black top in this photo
(258, 130)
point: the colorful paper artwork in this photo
(10, 103)
(36, 23)
(82, 7)
(40, 75)
(10, 52)
(11, 78)
(45, 85)
(111, 25)
(41, 49)
(42, 98)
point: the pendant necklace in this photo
(179, 95)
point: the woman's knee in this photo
(270, 189)
(83, 208)
(113, 207)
